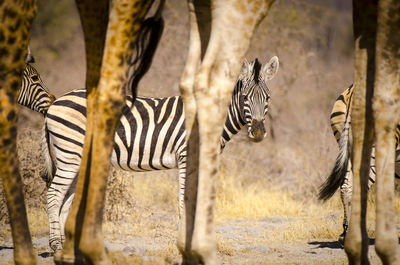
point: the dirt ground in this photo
(245, 241)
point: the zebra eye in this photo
(35, 78)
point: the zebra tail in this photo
(338, 173)
(50, 169)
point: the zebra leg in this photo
(55, 197)
(187, 208)
(345, 194)
(182, 233)
(181, 191)
(189, 187)
(64, 214)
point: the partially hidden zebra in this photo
(341, 175)
(151, 136)
(34, 93)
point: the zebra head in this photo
(254, 95)
(34, 93)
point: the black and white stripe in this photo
(150, 136)
(34, 94)
(342, 176)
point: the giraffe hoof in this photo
(64, 259)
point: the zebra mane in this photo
(29, 58)
(145, 48)
(256, 70)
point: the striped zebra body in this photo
(341, 175)
(136, 145)
(151, 136)
(34, 94)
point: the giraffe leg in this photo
(126, 18)
(12, 182)
(212, 89)
(104, 110)
(356, 243)
(386, 106)
(17, 18)
(190, 180)
(94, 19)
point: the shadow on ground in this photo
(3, 247)
(329, 244)
(336, 244)
(46, 254)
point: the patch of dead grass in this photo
(38, 221)
(311, 219)
(135, 200)
(307, 229)
(257, 200)
(118, 258)
(224, 248)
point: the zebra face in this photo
(255, 95)
(34, 93)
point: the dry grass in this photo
(236, 201)
(120, 258)
(256, 201)
(134, 197)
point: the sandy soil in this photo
(239, 242)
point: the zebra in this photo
(341, 176)
(150, 136)
(34, 94)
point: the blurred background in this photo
(314, 42)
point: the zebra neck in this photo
(27, 102)
(234, 121)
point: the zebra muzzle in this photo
(257, 131)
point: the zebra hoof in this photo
(56, 245)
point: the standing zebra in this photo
(341, 175)
(34, 94)
(150, 136)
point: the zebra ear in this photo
(245, 69)
(29, 57)
(271, 68)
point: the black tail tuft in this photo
(338, 174)
(334, 181)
